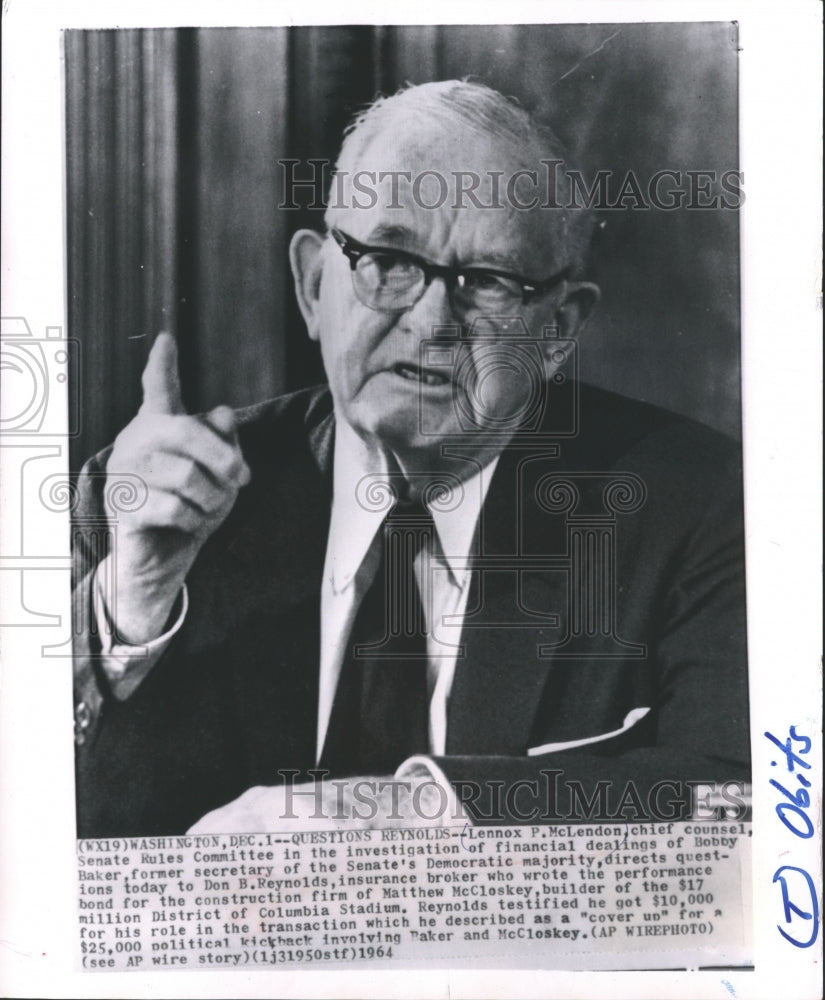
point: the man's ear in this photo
(579, 300)
(307, 264)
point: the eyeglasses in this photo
(389, 280)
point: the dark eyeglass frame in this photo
(453, 277)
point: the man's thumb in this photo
(161, 383)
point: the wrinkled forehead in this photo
(452, 193)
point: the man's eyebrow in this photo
(498, 261)
(394, 233)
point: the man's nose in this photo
(434, 309)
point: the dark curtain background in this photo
(173, 139)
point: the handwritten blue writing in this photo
(800, 799)
(795, 818)
(792, 909)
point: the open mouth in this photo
(423, 376)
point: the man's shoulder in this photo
(612, 428)
(287, 423)
(304, 408)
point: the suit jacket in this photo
(608, 579)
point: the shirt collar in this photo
(360, 479)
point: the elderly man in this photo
(455, 563)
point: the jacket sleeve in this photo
(90, 546)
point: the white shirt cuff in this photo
(126, 665)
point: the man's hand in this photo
(193, 469)
(355, 803)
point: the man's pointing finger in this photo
(161, 382)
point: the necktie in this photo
(380, 712)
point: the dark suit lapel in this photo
(510, 612)
(281, 539)
(505, 696)
(267, 560)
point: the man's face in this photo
(373, 359)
